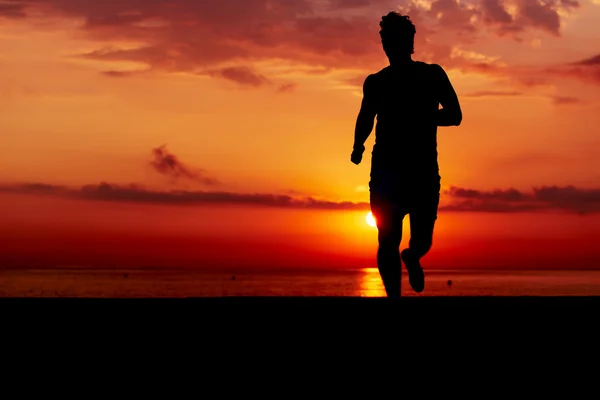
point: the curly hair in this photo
(398, 32)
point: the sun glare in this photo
(371, 220)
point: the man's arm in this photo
(450, 114)
(365, 120)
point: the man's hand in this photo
(356, 156)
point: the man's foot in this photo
(416, 276)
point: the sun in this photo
(371, 220)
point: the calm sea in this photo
(366, 283)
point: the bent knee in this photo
(421, 246)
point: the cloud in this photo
(493, 93)
(592, 61)
(169, 165)
(192, 36)
(546, 198)
(587, 70)
(14, 9)
(543, 199)
(287, 87)
(244, 76)
(119, 74)
(494, 13)
(566, 100)
(519, 76)
(513, 17)
(556, 100)
(195, 36)
(504, 17)
(137, 194)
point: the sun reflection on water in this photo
(371, 284)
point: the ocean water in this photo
(364, 283)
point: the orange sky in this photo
(255, 103)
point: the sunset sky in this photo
(219, 133)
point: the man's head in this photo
(397, 35)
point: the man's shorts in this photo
(405, 195)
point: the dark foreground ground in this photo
(267, 341)
(308, 314)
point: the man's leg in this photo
(389, 219)
(422, 222)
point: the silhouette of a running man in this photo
(405, 180)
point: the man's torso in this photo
(405, 148)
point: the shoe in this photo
(416, 276)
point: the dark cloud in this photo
(13, 9)
(138, 194)
(194, 36)
(493, 93)
(496, 195)
(570, 198)
(119, 74)
(556, 100)
(592, 61)
(244, 76)
(450, 25)
(540, 15)
(169, 165)
(453, 15)
(528, 14)
(566, 100)
(287, 87)
(547, 198)
(469, 17)
(349, 4)
(587, 70)
(493, 12)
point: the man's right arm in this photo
(365, 120)
(450, 114)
